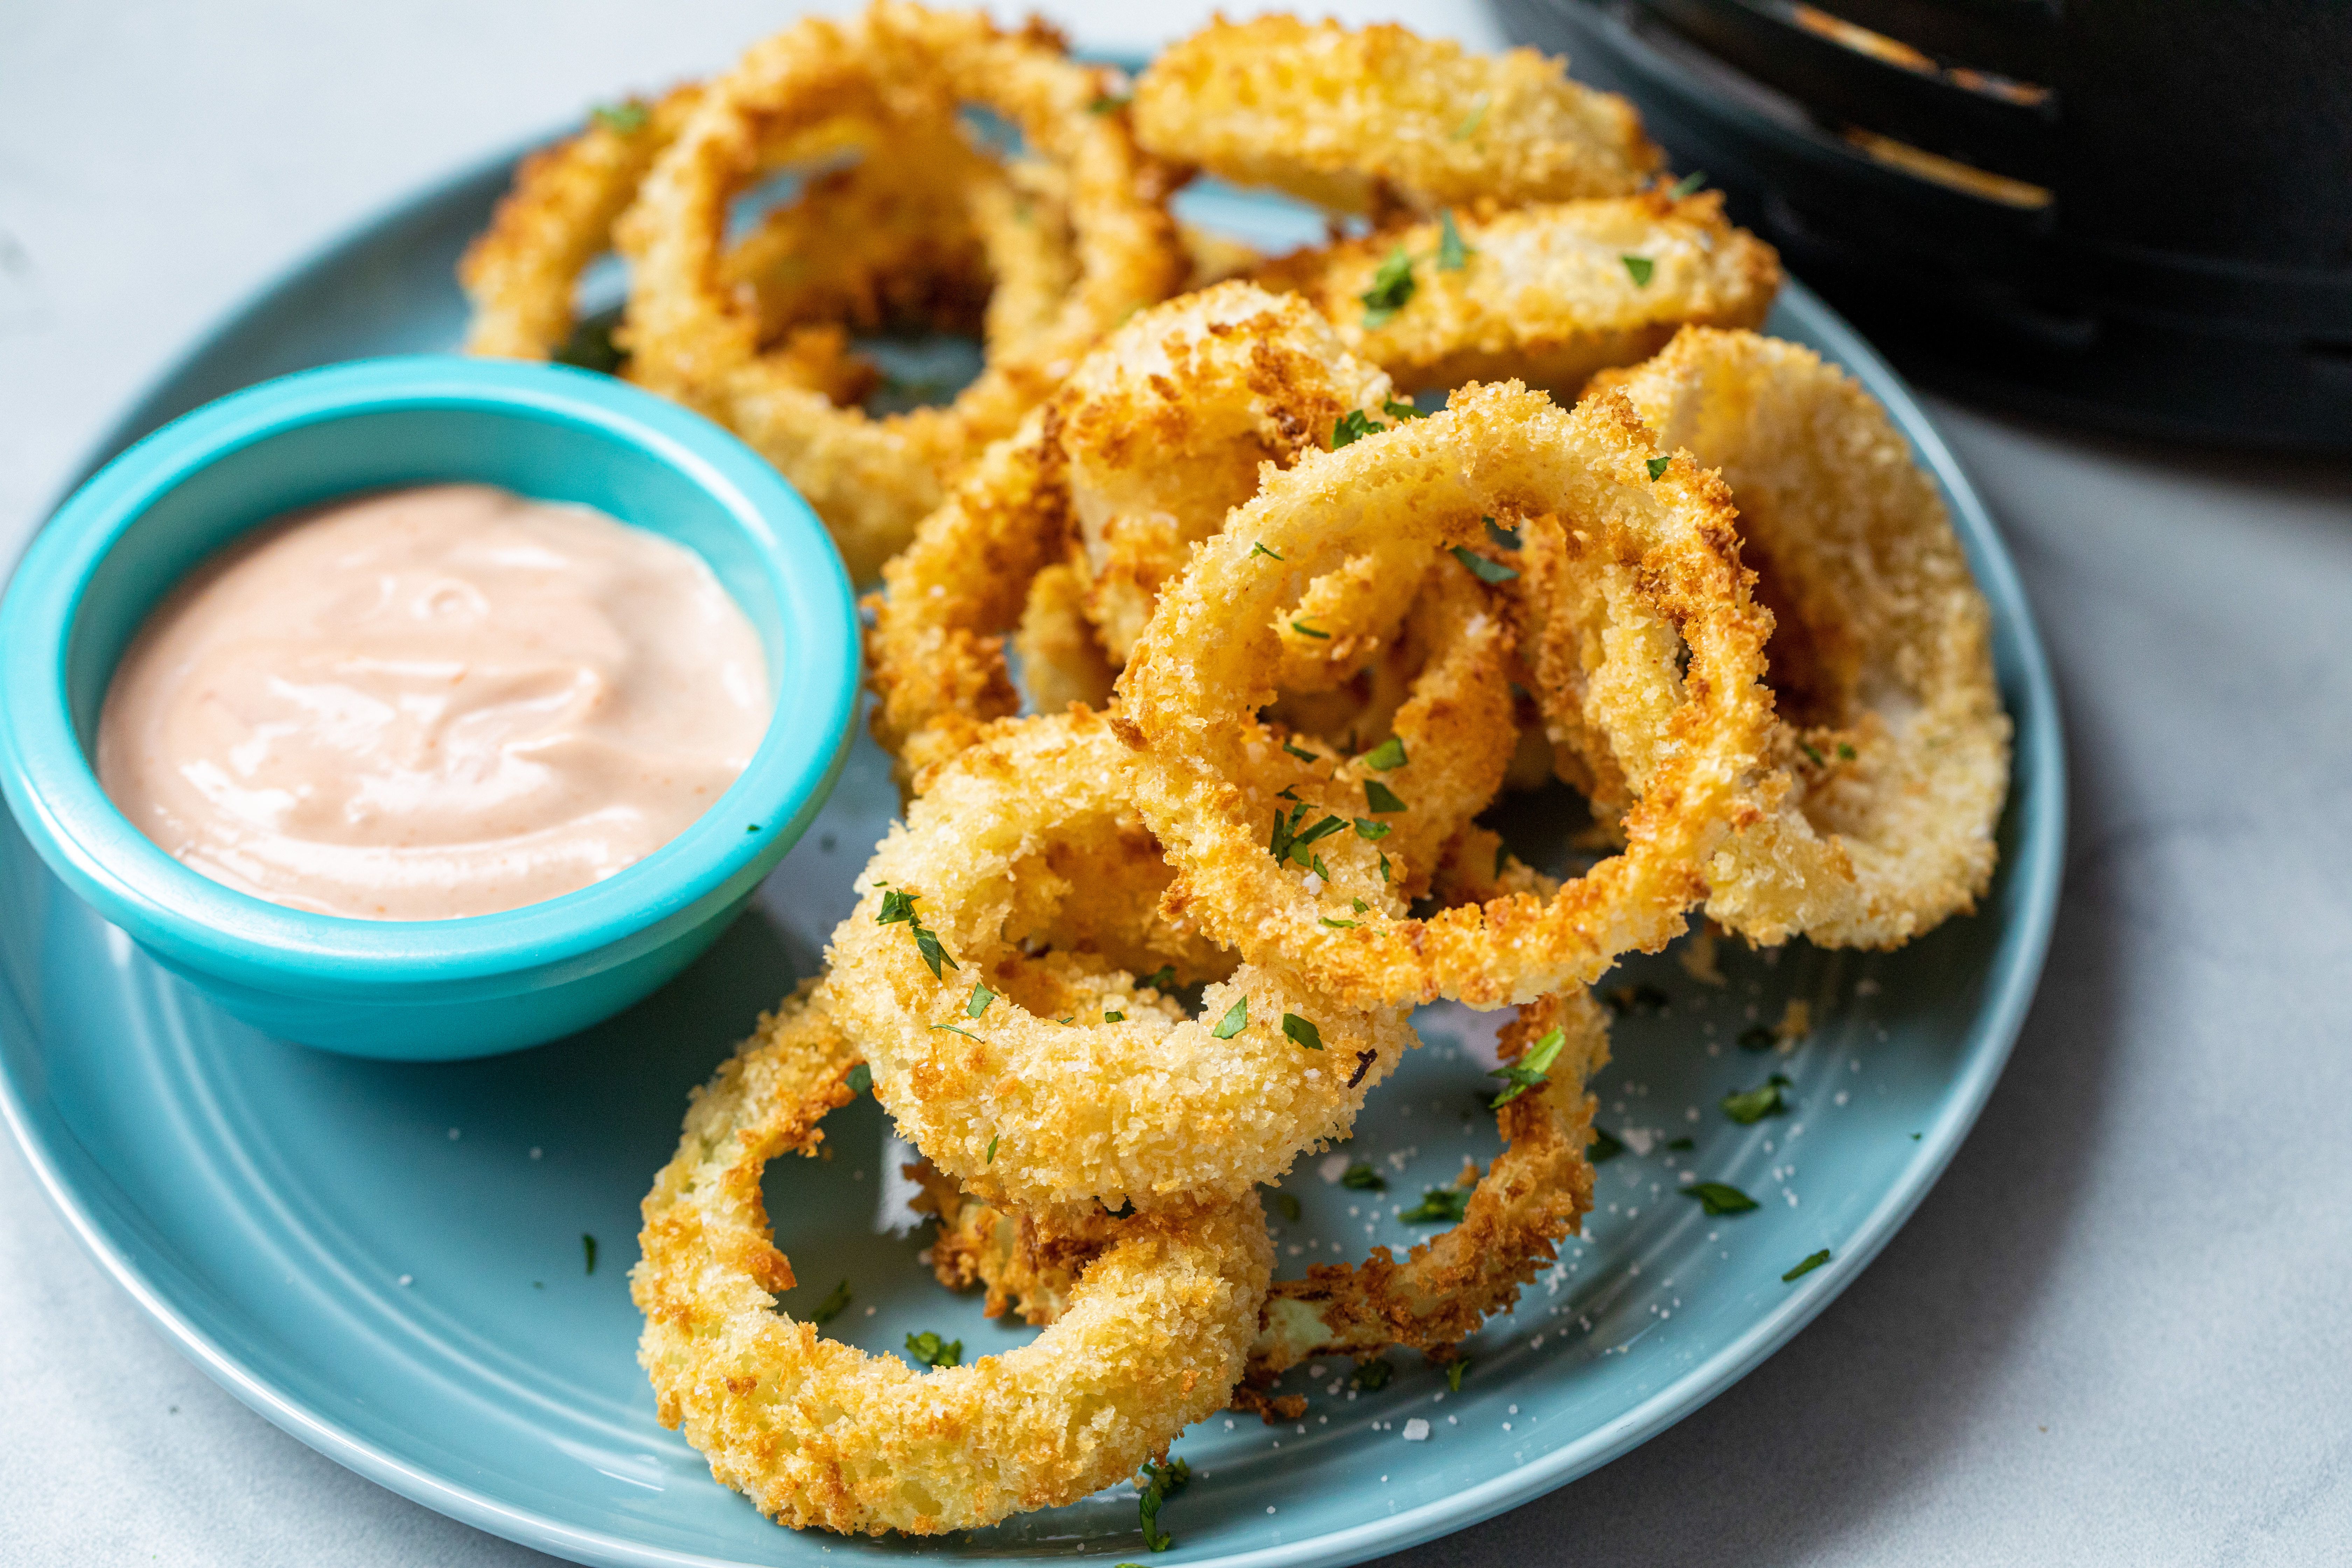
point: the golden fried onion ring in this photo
(1351, 119)
(1544, 294)
(1881, 660)
(816, 1432)
(872, 480)
(1214, 384)
(1534, 1194)
(1121, 1099)
(1669, 543)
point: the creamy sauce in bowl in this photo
(432, 702)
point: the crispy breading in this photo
(1892, 724)
(818, 1433)
(1533, 1196)
(1026, 842)
(1349, 120)
(1544, 294)
(1668, 544)
(872, 480)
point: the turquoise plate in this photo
(387, 1260)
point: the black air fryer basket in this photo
(2135, 213)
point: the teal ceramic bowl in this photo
(420, 990)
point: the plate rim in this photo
(2012, 978)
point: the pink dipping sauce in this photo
(426, 703)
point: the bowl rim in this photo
(53, 789)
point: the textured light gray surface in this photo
(2114, 1334)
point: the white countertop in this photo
(2116, 1333)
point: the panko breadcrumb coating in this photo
(872, 480)
(1668, 538)
(1140, 454)
(1533, 1196)
(1351, 119)
(1892, 723)
(1543, 294)
(816, 1432)
(1121, 1099)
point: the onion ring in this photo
(1225, 381)
(872, 480)
(1350, 120)
(886, 248)
(1547, 294)
(816, 1432)
(1122, 1101)
(1535, 1194)
(1882, 657)
(1668, 544)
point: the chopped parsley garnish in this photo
(1813, 1262)
(1682, 1143)
(1235, 1020)
(1159, 1483)
(1367, 828)
(754, 827)
(1374, 1373)
(1262, 550)
(1162, 978)
(1384, 869)
(1353, 426)
(830, 1307)
(1688, 185)
(899, 906)
(588, 1246)
(1286, 1204)
(1360, 907)
(1341, 925)
(1438, 1204)
(1752, 1106)
(1360, 1177)
(1756, 1037)
(1472, 120)
(1846, 754)
(1301, 752)
(1302, 1032)
(1812, 754)
(1658, 467)
(990, 1159)
(1639, 269)
(1603, 1148)
(967, 1034)
(1392, 290)
(1364, 1060)
(1386, 756)
(621, 119)
(1486, 571)
(1107, 104)
(1303, 629)
(1399, 410)
(1452, 256)
(1529, 1071)
(932, 1351)
(1114, 1017)
(861, 1078)
(1454, 1371)
(1508, 538)
(1719, 1198)
(1381, 800)
(1287, 843)
(981, 997)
